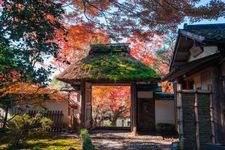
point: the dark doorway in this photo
(146, 115)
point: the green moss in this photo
(86, 139)
(115, 67)
(49, 144)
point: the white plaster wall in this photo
(119, 122)
(164, 111)
(54, 106)
(76, 99)
(2, 112)
(58, 106)
(63, 106)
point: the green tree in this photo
(29, 27)
(23, 127)
(8, 63)
(27, 33)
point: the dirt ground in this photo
(124, 140)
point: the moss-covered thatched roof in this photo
(108, 62)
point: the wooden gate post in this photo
(196, 118)
(180, 115)
(82, 113)
(134, 109)
(211, 116)
(88, 105)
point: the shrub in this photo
(166, 129)
(86, 140)
(23, 127)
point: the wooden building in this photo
(197, 69)
(112, 64)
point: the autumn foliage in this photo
(110, 103)
(141, 17)
(23, 93)
(155, 54)
(62, 31)
(27, 91)
(77, 42)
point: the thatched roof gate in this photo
(108, 64)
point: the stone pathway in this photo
(115, 140)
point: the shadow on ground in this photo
(124, 140)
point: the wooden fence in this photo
(195, 118)
(55, 116)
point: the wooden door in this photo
(146, 115)
(145, 107)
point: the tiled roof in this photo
(209, 32)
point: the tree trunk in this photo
(115, 117)
(6, 117)
(114, 121)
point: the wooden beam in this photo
(193, 36)
(183, 53)
(211, 117)
(178, 63)
(196, 119)
(88, 106)
(111, 84)
(134, 108)
(180, 115)
(82, 113)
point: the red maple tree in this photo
(110, 102)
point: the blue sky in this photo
(204, 21)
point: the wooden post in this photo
(180, 115)
(211, 117)
(215, 104)
(91, 106)
(134, 109)
(196, 118)
(88, 106)
(82, 115)
(223, 104)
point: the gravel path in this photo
(114, 140)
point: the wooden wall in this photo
(189, 126)
(195, 118)
(214, 78)
(222, 100)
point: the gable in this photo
(197, 47)
(196, 42)
(201, 52)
